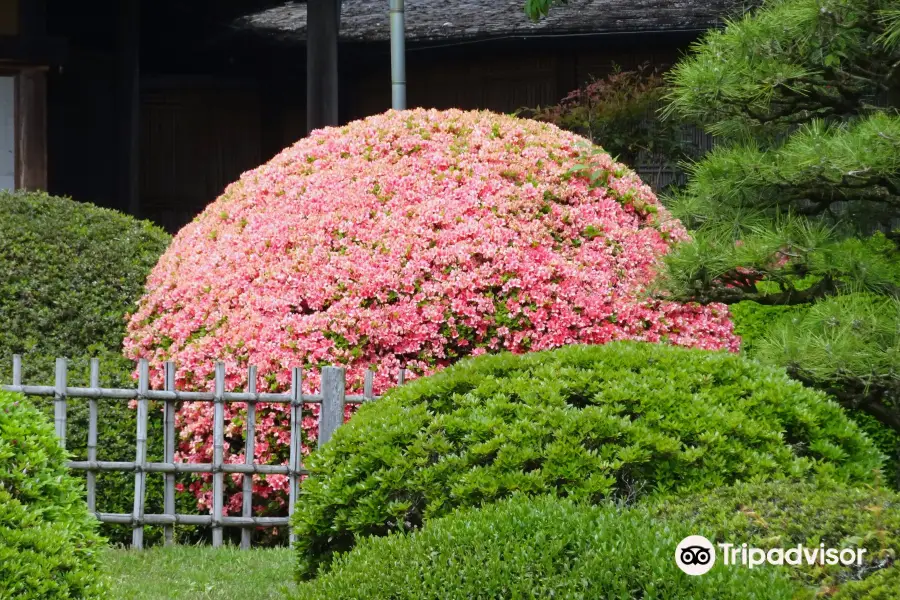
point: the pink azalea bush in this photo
(411, 239)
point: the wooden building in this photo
(488, 54)
(154, 107)
(26, 53)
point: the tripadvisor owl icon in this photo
(695, 555)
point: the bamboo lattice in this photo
(331, 399)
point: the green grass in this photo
(200, 573)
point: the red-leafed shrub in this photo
(411, 238)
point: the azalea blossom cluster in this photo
(409, 239)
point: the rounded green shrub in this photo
(542, 547)
(49, 547)
(883, 585)
(622, 420)
(783, 514)
(536, 548)
(69, 272)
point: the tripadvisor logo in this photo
(696, 555)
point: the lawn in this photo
(200, 573)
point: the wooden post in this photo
(295, 444)
(31, 130)
(59, 401)
(218, 502)
(249, 454)
(128, 105)
(140, 456)
(322, 25)
(401, 376)
(169, 451)
(92, 436)
(331, 416)
(31, 104)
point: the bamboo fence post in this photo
(295, 444)
(169, 451)
(17, 369)
(368, 384)
(331, 416)
(249, 456)
(140, 458)
(218, 456)
(59, 400)
(92, 436)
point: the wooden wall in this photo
(9, 17)
(196, 138)
(81, 129)
(194, 142)
(502, 83)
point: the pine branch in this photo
(727, 293)
(877, 398)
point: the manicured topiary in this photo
(48, 542)
(882, 585)
(414, 237)
(536, 548)
(548, 547)
(783, 514)
(69, 272)
(620, 420)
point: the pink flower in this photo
(411, 239)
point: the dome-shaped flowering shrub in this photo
(410, 238)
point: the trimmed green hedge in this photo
(49, 547)
(69, 272)
(883, 585)
(536, 548)
(622, 420)
(547, 547)
(782, 514)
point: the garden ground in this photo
(199, 573)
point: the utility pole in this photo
(398, 55)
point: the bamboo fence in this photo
(331, 399)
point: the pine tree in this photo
(799, 203)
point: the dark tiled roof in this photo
(432, 20)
